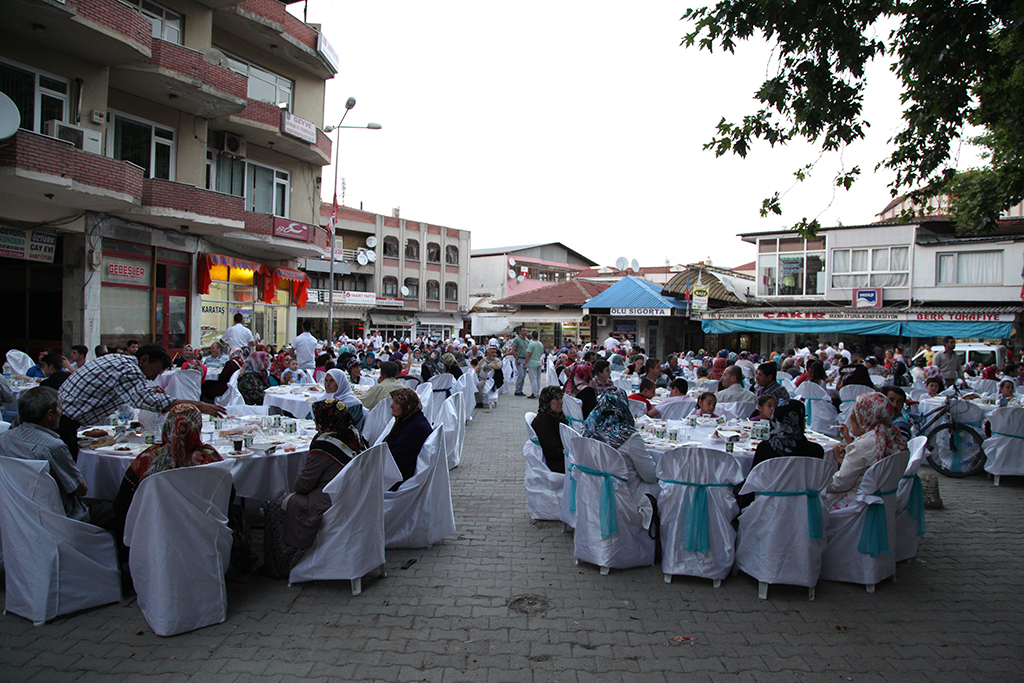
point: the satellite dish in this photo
(371, 241)
(10, 117)
(520, 278)
(511, 274)
(361, 258)
(511, 261)
(635, 266)
(405, 291)
(621, 263)
(371, 256)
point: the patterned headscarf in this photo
(611, 420)
(236, 354)
(547, 395)
(718, 368)
(279, 365)
(989, 372)
(579, 379)
(787, 428)
(873, 411)
(409, 400)
(257, 362)
(932, 371)
(449, 360)
(336, 436)
(180, 446)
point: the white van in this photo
(982, 354)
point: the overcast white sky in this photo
(580, 122)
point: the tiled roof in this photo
(571, 293)
(632, 292)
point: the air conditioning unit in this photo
(464, 309)
(233, 145)
(82, 138)
(602, 321)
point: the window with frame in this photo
(877, 267)
(969, 268)
(791, 266)
(433, 290)
(143, 143)
(433, 252)
(451, 291)
(40, 97)
(390, 285)
(391, 246)
(412, 250)
(451, 255)
(265, 189)
(413, 285)
(167, 25)
(264, 86)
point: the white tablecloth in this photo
(927, 405)
(298, 405)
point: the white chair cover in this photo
(4, 426)
(54, 565)
(609, 528)
(569, 436)
(429, 403)
(748, 373)
(861, 544)
(626, 384)
(677, 410)
(184, 384)
(573, 409)
(490, 394)
(786, 381)
(180, 546)
(968, 414)
(985, 386)
(697, 507)
(508, 370)
(740, 410)
(818, 407)
(543, 487)
(469, 390)
(910, 516)
(231, 397)
(376, 420)
(637, 408)
(1004, 450)
(419, 513)
(20, 361)
(350, 541)
(847, 397)
(776, 542)
(454, 429)
(443, 384)
(918, 394)
(710, 385)
(409, 382)
(550, 376)
(877, 380)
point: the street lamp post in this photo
(349, 104)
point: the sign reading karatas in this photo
(292, 230)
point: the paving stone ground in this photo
(955, 614)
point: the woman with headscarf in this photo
(900, 375)
(278, 366)
(187, 354)
(409, 432)
(370, 360)
(214, 388)
(293, 520)
(718, 368)
(875, 438)
(580, 386)
(859, 376)
(432, 365)
(617, 362)
(451, 365)
(337, 386)
(786, 436)
(254, 380)
(612, 422)
(549, 416)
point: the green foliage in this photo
(960, 61)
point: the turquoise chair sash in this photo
(874, 535)
(1012, 436)
(698, 533)
(609, 520)
(810, 407)
(573, 419)
(535, 441)
(815, 521)
(915, 504)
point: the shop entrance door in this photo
(171, 320)
(652, 342)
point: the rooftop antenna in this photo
(635, 266)
(621, 263)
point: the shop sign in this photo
(699, 298)
(356, 298)
(641, 311)
(388, 301)
(327, 51)
(298, 127)
(860, 314)
(867, 298)
(124, 271)
(964, 317)
(291, 229)
(27, 245)
(216, 309)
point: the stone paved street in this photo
(955, 615)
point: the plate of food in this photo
(239, 455)
(122, 449)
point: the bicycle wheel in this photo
(955, 453)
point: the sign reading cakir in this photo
(861, 314)
(291, 229)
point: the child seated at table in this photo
(934, 386)
(1006, 392)
(645, 393)
(765, 407)
(293, 375)
(706, 405)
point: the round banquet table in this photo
(928, 405)
(299, 404)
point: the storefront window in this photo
(236, 292)
(790, 267)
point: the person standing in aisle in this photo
(520, 345)
(305, 347)
(534, 353)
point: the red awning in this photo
(208, 260)
(298, 283)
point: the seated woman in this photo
(409, 432)
(876, 438)
(787, 437)
(579, 386)
(293, 520)
(213, 389)
(278, 366)
(337, 386)
(355, 371)
(859, 376)
(636, 366)
(187, 354)
(451, 365)
(254, 379)
(549, 416)
(706, 405)
(612, 423)
(765, 407)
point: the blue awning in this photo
(970, 330)
(889, 327)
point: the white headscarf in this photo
(344, 392)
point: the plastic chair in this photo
(350, 541)
(20, 361)
(677, 410)
(1004, 450)
(697, 507)
(185, 384)
(543, 487)
(847, 397)
(782, 533)
(572, 407)
(910, 516)
(231, 397)
(637, 408)
(442, 384)
(419, 513)
(861, 544)
(739, 410)
(454, 429)
(609, 528)
(180, 546)
(376, 420)
(54, 565)
(821, 413)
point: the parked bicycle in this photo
(954, 447)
